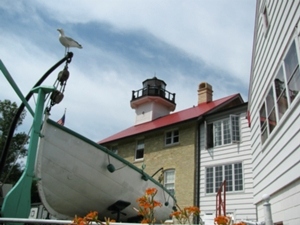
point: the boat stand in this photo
(17, 202)
(117, 207)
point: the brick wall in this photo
(178, 156)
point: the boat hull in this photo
(73, 178)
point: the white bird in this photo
(67, 41)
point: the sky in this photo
(124, 43)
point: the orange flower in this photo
(92, 216)
(88, 219)
(156, 203)
(145, 221)
(222, 220)
(78, 221)
(176, 214)
(185, 215)
(151, 191)
(147, 205)
(192, 210)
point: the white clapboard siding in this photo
(238, 203)
(276, 162)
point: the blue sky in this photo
(124, 43)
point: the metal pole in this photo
(267, 210)
(40, 221)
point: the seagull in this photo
(67, 41)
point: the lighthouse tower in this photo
(152, 101)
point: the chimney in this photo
(204, 93)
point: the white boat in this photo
(74, 174)
(74, 178)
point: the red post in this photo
(221, 203)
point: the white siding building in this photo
(274, 109)
(225, 153)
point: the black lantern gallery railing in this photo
(153, 91)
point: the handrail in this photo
(221, 203)
(42, 221)
(53, 221)
(153, 91)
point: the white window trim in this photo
(222, 131)
(168, 170)
(223, 176)
(233, 137)
(172, 137)
(291, 105)
(137, 148)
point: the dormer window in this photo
(222, 132)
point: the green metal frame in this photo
(17, 202)
(15, 87)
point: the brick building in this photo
(191, 151)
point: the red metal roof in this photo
(170, 119)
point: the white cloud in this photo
(211, 30)
(102, 77)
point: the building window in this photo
(281, 94)
(235, 128)
(114, 149)
(270, 103)
(265, 20)
(232, 173)
(223, 132)
(263, 123)
(228, 177)
(172, 137)
(238, 177)
(169, 180)
(280, 89)
(291, 63)
(139, 151)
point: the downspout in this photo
(198, 164)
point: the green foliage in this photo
(13, 169)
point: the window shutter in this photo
(209, 135)
(235, 128)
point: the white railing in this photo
(51, 221)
